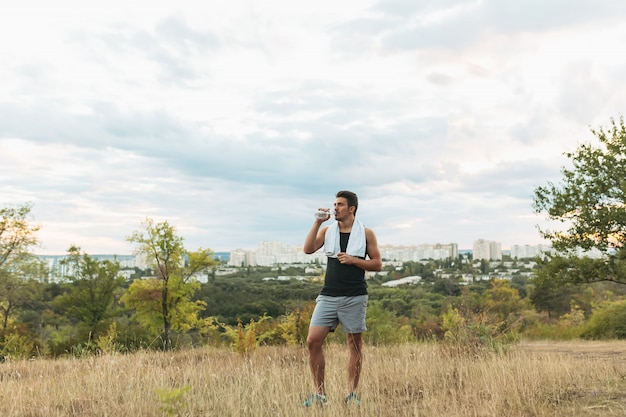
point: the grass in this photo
(532, 379)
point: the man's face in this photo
(342, 211)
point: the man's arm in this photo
(373, 262)
(315, 239)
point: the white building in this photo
(241, 257)
(529, 251)
(417, 253)
(275, 253)
(58, 268)
(487, 249)
(406, 280)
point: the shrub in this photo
(384, 327)
(474, 334)
(608, 321)
(17, 347)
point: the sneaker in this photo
(352, 398)
(316, 399)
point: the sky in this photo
(234, 121)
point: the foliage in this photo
(107, 342)
(447, 287)
(17, 233)
(563, 270)
(417, 302)
(607, 322)
(591, 203)
(232, 298)
(290, 330)
(175, 268)
(575, 317)
(294, 325)
(17, 347)
(17, 236)
(247, 311)
(172, 401)
(16, 293)
(549, 295)
(211, 331)
(468, 333)
(144, 296)
(92, 290)
(384, 327)
(592, 196)
(84, 349)
(246, 338)
(502, 300)
(484, 321)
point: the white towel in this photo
(356, 242)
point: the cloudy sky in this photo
(235, 120)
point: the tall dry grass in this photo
(534, 379)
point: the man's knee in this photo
(315, 338)
(314, 342)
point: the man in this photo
(351, 249)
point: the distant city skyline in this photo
(273, 253)
(254, 248)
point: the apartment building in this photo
(489, 250)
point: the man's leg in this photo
(315, 344)
(355, 360)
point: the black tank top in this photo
(343, 280)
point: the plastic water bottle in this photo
(322, 214)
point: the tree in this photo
(17, 236)
(17, 233)
(591, 202)
(145, 295)
(502, 299)
(175, 269)
(92, 289)
(20, 287)
(446, 286)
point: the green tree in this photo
(17, 236)
(546, 295)
(446, 286)
(17, 233)
(145, 296)
(590, 202)
(484, 266)
(175, 270)
(91, 294)
(18, 290)
(502, 299)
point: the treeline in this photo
(95, 309)
(82, 315)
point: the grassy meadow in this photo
(531, 379)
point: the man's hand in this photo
(322, 214)
(346, 259)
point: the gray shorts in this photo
(349, 311)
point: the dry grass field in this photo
(532, 379)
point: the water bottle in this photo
(322, 214)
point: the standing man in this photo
(351, 249)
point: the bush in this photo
(384, 327)
(17, 347)
(607, 322)
(474, 334)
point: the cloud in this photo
(459, 24)
(235, 123)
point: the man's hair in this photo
(353, 200)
